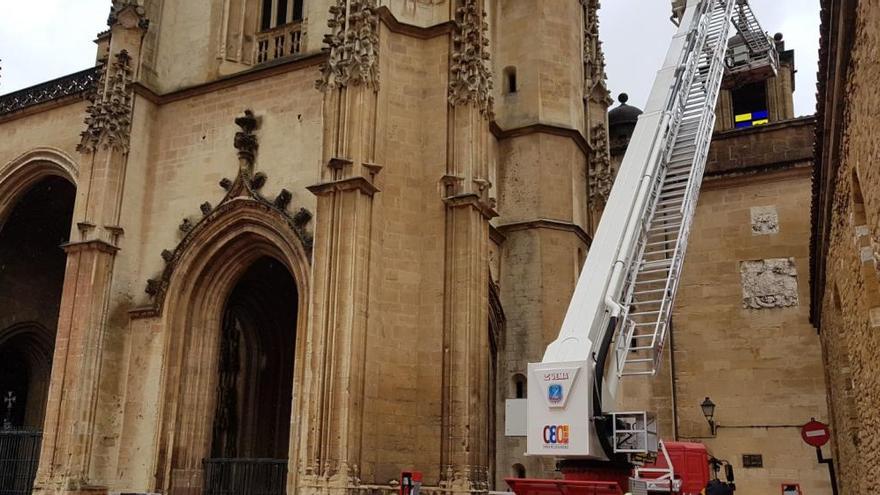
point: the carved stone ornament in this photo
(770, 283)
(594, 56)
(108, 120)
(601, 173)
(120, 7)
(470, 79)
(765, 220)
(243, 190)
(353, 44)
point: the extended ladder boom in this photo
(631, 275)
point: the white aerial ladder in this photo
(619, 315)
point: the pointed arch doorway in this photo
(34, 223)
(252, 416)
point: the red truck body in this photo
(689, 460)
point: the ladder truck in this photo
(619, 315)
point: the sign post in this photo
(817, 434)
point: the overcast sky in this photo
(635, 35)
(50, 38)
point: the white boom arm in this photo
(631, 274)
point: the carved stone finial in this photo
(153, 287)
(258, 181)
(137, 15)
(167, 255)
(205, 208)
(245, 140)
(302, 217)
(353, 43)
(186, 225)
(225, 183)
(470, 79)
(283, 199)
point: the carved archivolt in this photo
(353, 43)
(770, 283)
(241, 192)
(470, 78)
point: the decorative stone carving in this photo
(120, 6)
(78, 83)
(601, 173)
(108, 123)
(245, 140)
(185, 225)
(770, 283)
(353, 43)
(594, 56)
(239, 191)
(470, 79)
(283, 199)
(765, 220)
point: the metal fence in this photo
(19, 456)
(244, 476)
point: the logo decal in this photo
(557, 383)
(556, 436)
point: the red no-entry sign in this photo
(815, 433)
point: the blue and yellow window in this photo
(751, 119)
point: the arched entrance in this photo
(32, 265)
(234, 328)
(252, 416)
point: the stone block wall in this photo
(846, 229)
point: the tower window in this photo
(510, 80)
(519, 386)
(750, 105)
(519, 471)
(280, 12)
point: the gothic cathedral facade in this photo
(327, 235)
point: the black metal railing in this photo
(244, 476)
(19, 457)
(71, 84)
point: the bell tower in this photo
(552, 160)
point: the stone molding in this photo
(470, 79)
(546, 223)
(347, 184)
(90, 245)
(574, 134)
(353, 46)
(473, 200)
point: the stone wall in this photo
(846, 209)
(741, 333)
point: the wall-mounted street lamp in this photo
(708, 408)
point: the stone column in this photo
(331, 435)
(73, 389)
(465, 452)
